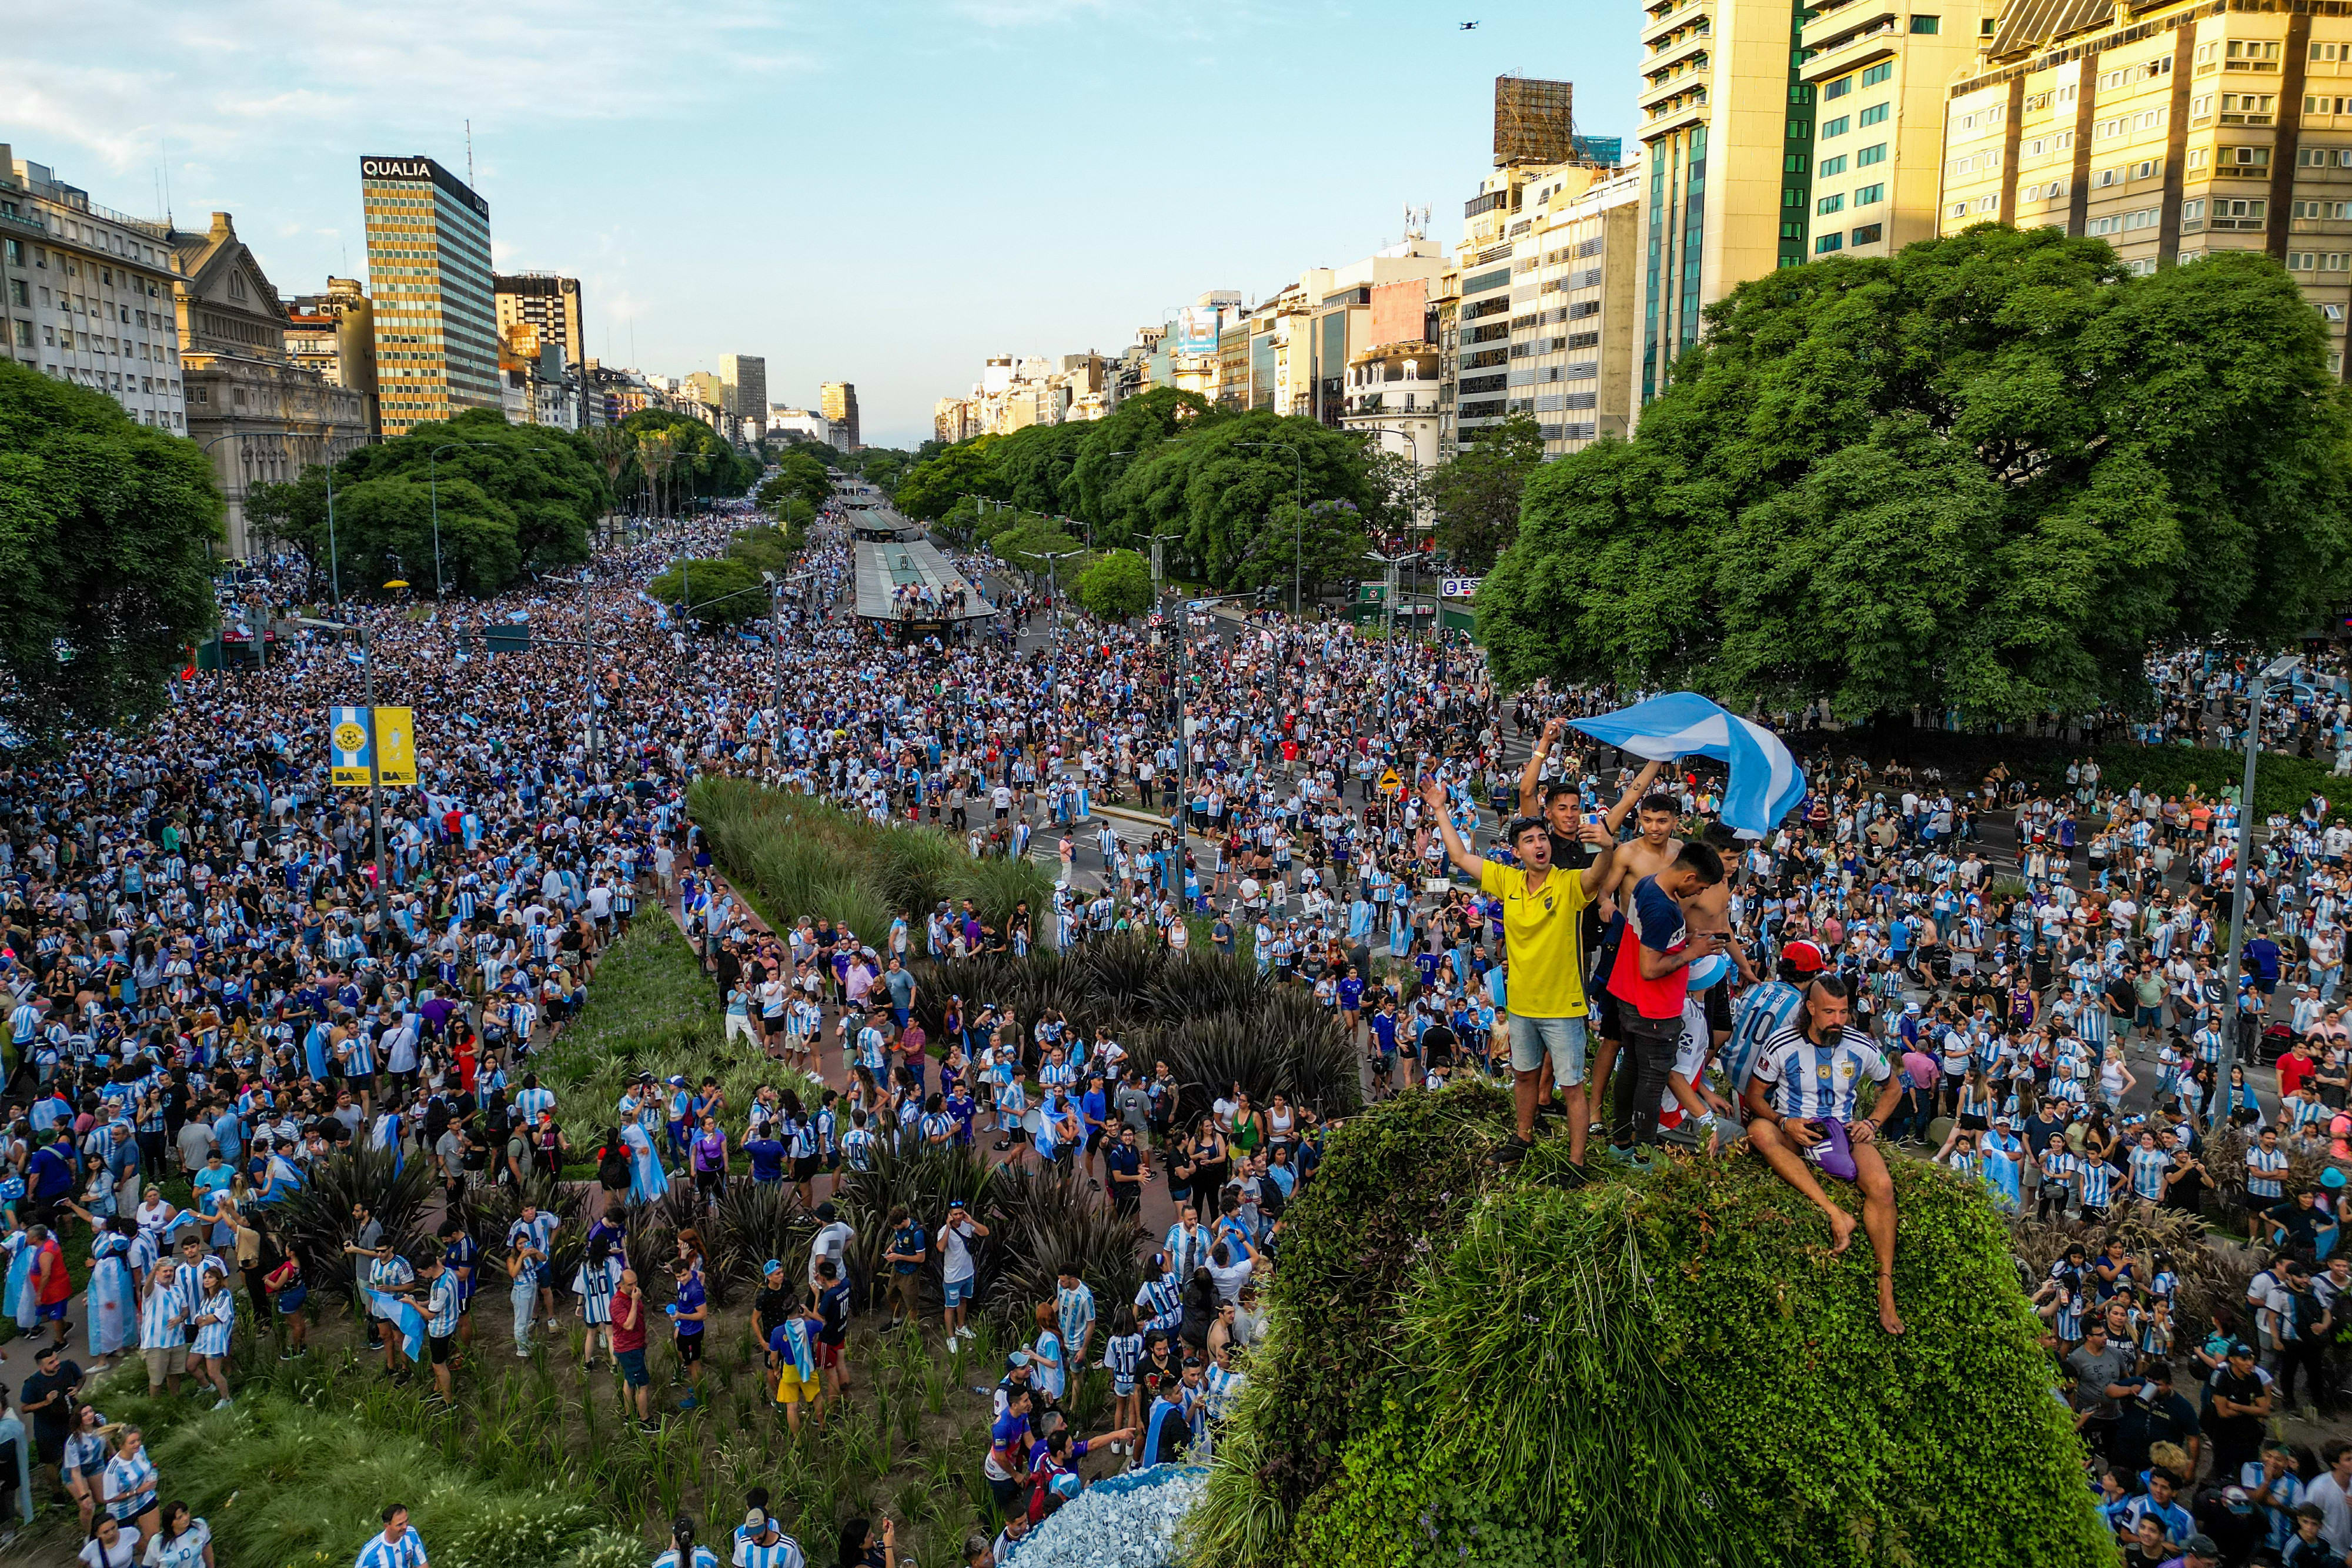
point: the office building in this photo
(2179, 132)
(86, 293)
(437, 320)
(1726, 123)
(743, 384)
(838, 399)
(334, 334)
(550, 305)
(262, 418)
(1877, 75)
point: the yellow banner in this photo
(395, 737)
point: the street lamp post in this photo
(2277, 669)
(1297, 520)
(1053, 559)
(375, 775)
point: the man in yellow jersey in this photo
(1543, 907)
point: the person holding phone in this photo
(1804, 1111)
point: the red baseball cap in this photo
(1804, 956)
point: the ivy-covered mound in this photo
(1469, 1366)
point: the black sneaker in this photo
(1512, 1152)
(1571, 1177)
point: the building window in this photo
(1869, 156)
(1794, 196)
(1793, 163)
(1867, 234)
(1828, 242)
(1829, 166)
(1828, 204)
(1875, 113)
(1878, 73)
(1927, 25)
(1837, 127)
(1869, 194)
(1838, 89)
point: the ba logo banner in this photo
(391, 744)
(348, 738)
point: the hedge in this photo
(1470, 1365)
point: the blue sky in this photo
(883, 192)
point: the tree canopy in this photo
(1476, 493)
(726, 590)
(800, 475)
(1986, 472)
(689, 457)
(509, 497)
(105, 579)
(1115, 585)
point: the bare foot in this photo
(1842, 1226)
(1887, 1318)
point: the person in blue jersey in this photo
(1805, 1114)
(1763, 1011)
(1168, 1430)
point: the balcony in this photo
(1687, 108)
(1664, 18)
(1677, 48)
(1848, 36)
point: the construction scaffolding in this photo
(1533, 122)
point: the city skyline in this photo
(847, 196)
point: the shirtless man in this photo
(1651, 851)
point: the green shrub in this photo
(1670, 1371)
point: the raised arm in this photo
(1432, 796)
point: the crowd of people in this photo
(211, 990)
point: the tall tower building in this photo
(839, 404)
(1727, 130)
(550, 305)
(744, 380)
(1877, 73)
(436, 321)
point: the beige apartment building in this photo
(2171, 132)
(1877, 72)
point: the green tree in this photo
(881, 466)
(1219, 485)
(1026, 542)
(105, 529)
(701, 462)
(1115, 585)
(1986, 472)
(1116, 443)
(510, 497)
(930, 489)
(1033, 466)
(1476, 495)
(800, 475)
(724, 591)
(1323, 547)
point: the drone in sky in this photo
(1469, 27)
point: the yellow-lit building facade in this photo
(1878, 73)
(435, 312)
(2171, 132)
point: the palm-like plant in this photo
(315, 1222)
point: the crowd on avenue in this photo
(211, 990)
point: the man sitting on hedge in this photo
(1802, 1101)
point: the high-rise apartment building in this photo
(436, 319)
(1727, 130)
(743, 382)
(1877, 71)
(87, 294)
(838, 402)
(2173, 132)
(550, 305)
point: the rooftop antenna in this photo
(167, 181)
(469, 152)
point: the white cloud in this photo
(194, 75)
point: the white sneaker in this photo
(220, 1403)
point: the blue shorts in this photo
(958, 1292)
(1561, 1038)
(290, 1301)
(54, 1312)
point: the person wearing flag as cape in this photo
(1543, 943)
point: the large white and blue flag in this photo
(1766, 782)
(406, 1319)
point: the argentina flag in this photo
(402, 1316)
(1766, 782)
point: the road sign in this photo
(1459, 587)
(1390, 783)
